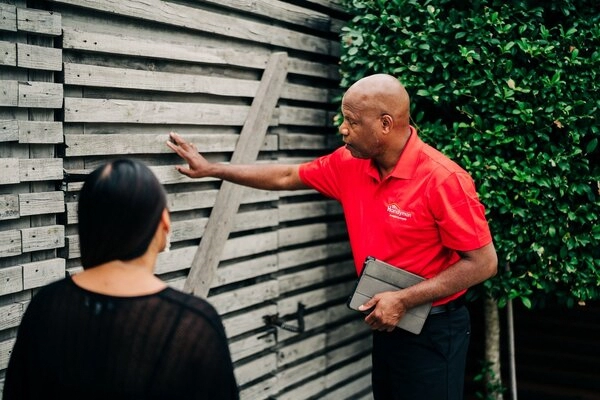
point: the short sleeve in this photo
(459, 214)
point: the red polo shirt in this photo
(415, 218)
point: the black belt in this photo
(448, 307)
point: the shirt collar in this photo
(407, 164)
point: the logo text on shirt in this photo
(398, 213)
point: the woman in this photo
(115, 330)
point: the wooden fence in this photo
(86, 81)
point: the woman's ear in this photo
(165, 220)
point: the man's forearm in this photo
(259, 176)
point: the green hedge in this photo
(509, 90)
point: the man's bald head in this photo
(382, 94)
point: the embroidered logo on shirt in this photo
(398, 213)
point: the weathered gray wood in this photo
(5, 352)
(310, 209)
(10, 315)
(304, 116)
(248, 246)
(37, 274)
(309, 390)
(8, 17)
(148, 112)
(247, 321)
(293, 258)
(40, 169)
(280, 12)
(355, 348)
(9, 206)
(9, 171)
(183, 16)
(245, 297)
(8, 53)
(354, 386)
(10, 243)
(314, 298)
(43, 238)
(293, 375)
(92, 75)
(38, 57)
(74, 38)
(40, 94)
(249, 346)
(263, 389)
(40, 132)
(11, 278)
(38, 21)
(228, 200)
(9, 93)
(256, 368)
(113, 144)
(9, 131)
(310, 232)
(304, 141)
(41, 203)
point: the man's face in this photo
(360, 129)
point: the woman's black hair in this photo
(120, 206)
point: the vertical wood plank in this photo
(206, 259)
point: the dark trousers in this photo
(428, 366)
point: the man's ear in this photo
(387, 122)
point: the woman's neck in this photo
(121, 278)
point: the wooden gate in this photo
(85, 81)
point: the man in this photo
(404, 203)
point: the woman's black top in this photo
(73, 343)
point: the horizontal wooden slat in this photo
(9, 131)
(38, 21)
(40, 169)
(183, 16)
(43, 238)
(9, 206)
(249, 346)
(11, 278)
(9, 171)
(281, 12)
(9, 93)
(308, 254)
(5, 352)
(354, 386)
(247, 321)
(304, 116)
(31, 94)
(40, 132)
(315, 298)
(293, 375)
(38, 57)
(8, 17)
(245, 297)
(10, 243)
(148, 112)
(255, 369)
(41, 203)
(311, 209)
(8, 53)
(10, 315)
(301, 349)
(40, 273)
(74, 38)
(113, 144)
(92, 75)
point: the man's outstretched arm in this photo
(259, 176)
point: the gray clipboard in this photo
(378, 276)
